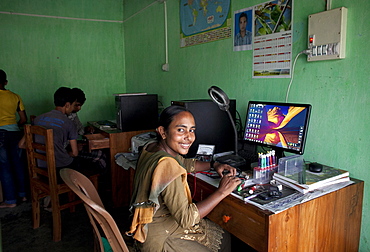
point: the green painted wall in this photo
(41, 54)
(338, 90)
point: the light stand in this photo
(222, 100)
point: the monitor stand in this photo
(279, 154)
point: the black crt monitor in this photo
(281, 126)
(136, 111)
(213, 126)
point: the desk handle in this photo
(226, 218)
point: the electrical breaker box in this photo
(327, 35)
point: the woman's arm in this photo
(174, 197)
(227, 184)
(187, 214)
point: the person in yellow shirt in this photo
(12, 169)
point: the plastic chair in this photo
(85, 190)
(44, 181)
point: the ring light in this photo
(219, 97)
(222, 100)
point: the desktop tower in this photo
(213, 125)
(136, 111)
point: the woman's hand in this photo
(219, 168)
(228, 183)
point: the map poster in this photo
(273, 36)
(204, 21)
(243, 34)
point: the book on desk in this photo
(328, 176)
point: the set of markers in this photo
(267, 166)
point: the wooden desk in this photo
(120, 178)
(331, 222)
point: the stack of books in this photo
(313, 181)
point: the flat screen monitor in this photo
(281, 126)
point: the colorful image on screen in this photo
(280, 125)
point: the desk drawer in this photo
(243, 220)
(97, 141)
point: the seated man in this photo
(64, 130)
(97, 157)
(65, 135)
(80, 100)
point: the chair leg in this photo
(57, 219)
(95, 181)
(35, 209)
(71, 198)
(97, 245)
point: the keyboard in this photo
(233, 160)
(107, 123)
(249, 157)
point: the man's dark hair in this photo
(2, 76)
(243, 15)
(62, 96)
(79, 95)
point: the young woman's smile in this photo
(180, 135)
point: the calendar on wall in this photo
(272, 55)
(272, 40)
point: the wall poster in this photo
(273, 37)
(204, 21)
(243, 24)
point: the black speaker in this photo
(213, 125)
(136, 112)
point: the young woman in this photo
(164, 216)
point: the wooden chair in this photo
(85, 190)
(44, 181)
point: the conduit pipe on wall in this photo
(165, 66)
(133, 15)
(328, 5)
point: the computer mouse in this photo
(315, 167)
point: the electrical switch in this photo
(327, 34)
(314, 51)
(324, 50)
(319, 50)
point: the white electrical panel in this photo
(327, 35)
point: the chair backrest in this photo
(85, 190)
(41, 150)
